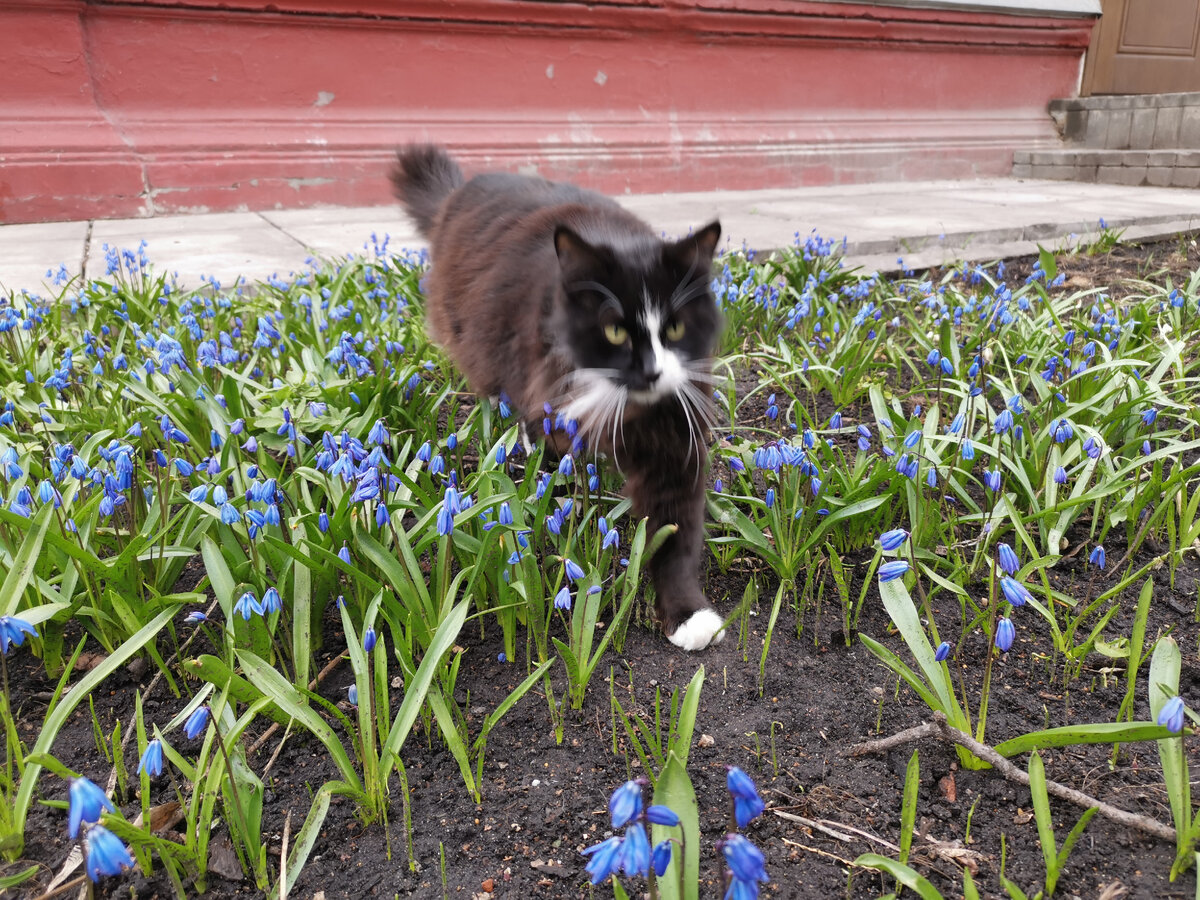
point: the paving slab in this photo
(224, 246)
(28, 251)
(926, 223)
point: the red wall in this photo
(135, 108)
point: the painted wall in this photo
(134, 108)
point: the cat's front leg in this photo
(670, 492)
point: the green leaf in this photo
(1069, 735)
(418, 687)
(908, 808)
(24, 562)
(902, 873)
(674, 790)
(681, 741)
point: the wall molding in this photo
(133, 108)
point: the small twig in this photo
(837, 835)
(867, 748)
(943, 729)
(283, 852)
(312, 686)
(843, 861)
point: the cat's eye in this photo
(615, 334)
(674, 330)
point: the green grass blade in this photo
(24, 562)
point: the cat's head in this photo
(638, 321)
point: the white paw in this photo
(702, 628)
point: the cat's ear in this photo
(574, 253)
(697, 249)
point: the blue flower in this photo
(195, 617)
(1003, 422)
(151, 762)
(1149, 416)
(835, 421)
(770, 498)
(369, 639)
(271, 602)
(566, 466)
(1060, 475)
(1171, 715)
(1097, 557)
(892, 569)
(247, 606)
(506, 516)
(445, 520)
(1015, 592)
(1062, 432)
(991, 480)
(893, 539)
(747, 805)
(562, 600)
(605, 859)
(352, 694)
(344, 554)
(378, 434)
(746, 863)
(573, 570)
(661, 858)
(13, 631)
(196, 723)
(943, 652)
(85, 803)
(968, 449)
(106, 854)
(1008, 559)
(661, 815)
(635, 856)
(1006, 632)
(625, 803)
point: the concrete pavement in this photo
(926, 223)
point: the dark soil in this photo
(543, 801)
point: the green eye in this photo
(615, 334)
(674, 330)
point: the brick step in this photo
(1137, 122)
(1161, 168)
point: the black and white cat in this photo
(551, 294)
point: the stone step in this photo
(1160, 168)
(1136, 122)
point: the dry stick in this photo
(941, 728)
(312, 686)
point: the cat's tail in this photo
(424, 177)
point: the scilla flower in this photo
(151, 762)
(106, 854)
(747, 866)
(196, 723)
(1097, 557)
(13, 631)
(1008, 559)
(1006, 632)
(562, 600)
(1171, 715)
(891, 540)
(86, 802)
(1014, 592)
(892, 569)
(943, 652)
(747, 805)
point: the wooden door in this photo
(1144, 47)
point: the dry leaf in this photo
(948, 788)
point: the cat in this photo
(567, 304)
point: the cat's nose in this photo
(652, 377)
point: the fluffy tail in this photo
(424, 177)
